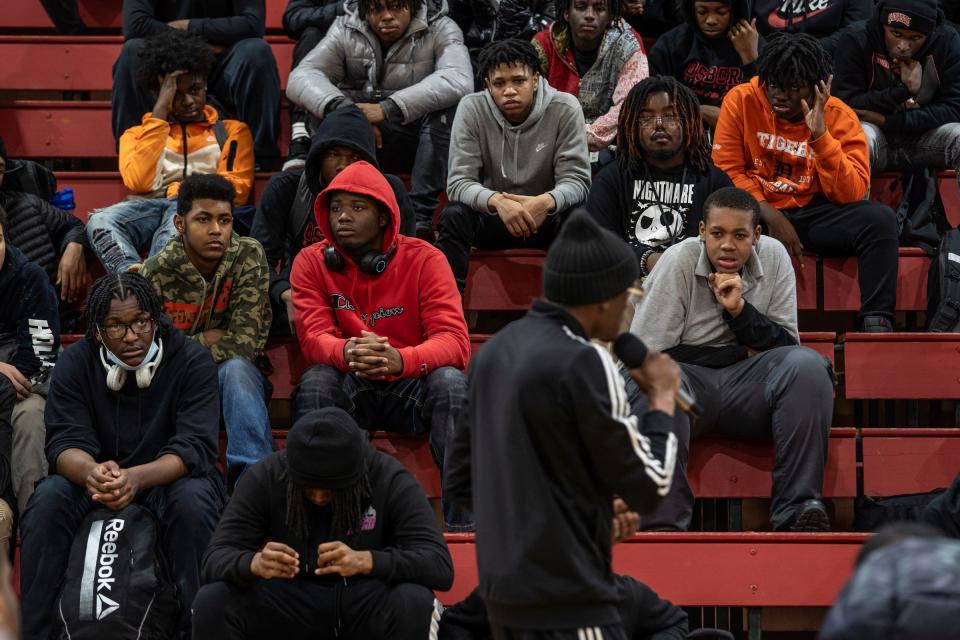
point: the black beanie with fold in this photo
(326, 449)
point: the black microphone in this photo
(632, 352)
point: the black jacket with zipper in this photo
(398, 528)
(39, 229)
(554, 441)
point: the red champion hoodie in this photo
(414, 302)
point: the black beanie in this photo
(325, 450)
(587, 264)
(916, 15)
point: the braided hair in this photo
(119, 286)
(562, 6)
(510, 52)
(630, 134)
(797, 57)
(348, 506)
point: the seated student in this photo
(306, 22)
(714, 50)
(285, 222)
(822, 19)
(29, 342)
(802, 154)
(404, 63)
(329, 538)
(591, 53)
(724, 306)
(46, 235)
(132, 415)
(213, 285)
(900, 71)
(652, 196)
(243, 76)
(379, 318)
(183, 135)
(519, 151)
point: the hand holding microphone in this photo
(656, 373)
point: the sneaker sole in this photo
(812, 521)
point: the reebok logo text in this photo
(100, 560)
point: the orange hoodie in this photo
(776, 161)
(156, 155)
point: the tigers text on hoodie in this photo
(414, 302)
(777, 162)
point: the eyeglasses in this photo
(648, 122)
(119, 330)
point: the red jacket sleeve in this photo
(320, 338)
(447, 342)
(842, 159)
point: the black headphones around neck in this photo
(372, 263)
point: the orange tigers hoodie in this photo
(776, 160)
(156, 155)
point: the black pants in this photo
(309, 39)
(461, 228)
(8, 399)
(643, 616)
(245, 81)
(864, 229)
(187, 510)
(65, 15)
(303, 609)
(785, 392)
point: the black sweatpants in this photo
(786, 393)
(865, 229)
(65, 15)
(643, 615)
(461, 228)
(364, 609)
(245, 81)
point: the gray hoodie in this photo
(546, 153)
(679, 307)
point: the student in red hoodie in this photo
(380, 319)
(803, 155)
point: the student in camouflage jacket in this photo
(213, 285)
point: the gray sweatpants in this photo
(786, 393)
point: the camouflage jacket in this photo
(236, 301)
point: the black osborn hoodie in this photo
(554, 440)
(863, 78)
(710, 67)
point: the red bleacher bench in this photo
(841, 292)
(902, 365)
(910, 460)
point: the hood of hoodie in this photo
(875, 31)
(429, 11)
(364, 179)
(740, 9)
(344, 127)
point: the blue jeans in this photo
(244, 393)
(118, 233)
(411, 406)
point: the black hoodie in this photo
(222, 22)
(864, 80)
(823, 19)
(710, 67)
(29, 315)
(285, 223)
(179, 413)
(399, 527)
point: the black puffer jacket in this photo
(39, 229)
(523, 18)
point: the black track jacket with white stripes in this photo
(545, 440)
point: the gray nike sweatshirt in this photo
(546, 153)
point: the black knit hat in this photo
(325, 450)
(916, 15)
(587, 264)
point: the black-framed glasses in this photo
(119, 329)
(649, 122)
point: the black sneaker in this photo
(876, 324)
(297, 155)
(813, 517)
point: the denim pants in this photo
(118, 233)
(187, 511)
(244, 394)
(411, 406)
(938, 148)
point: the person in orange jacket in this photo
(803, 155)
(182, 135)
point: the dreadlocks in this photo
(511, 52)
(365, 6)
(793, 57)
(348, 506)
(629, 133)
(119, 286)
(562, 6)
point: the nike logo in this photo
(541, 147)
(778, 22)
